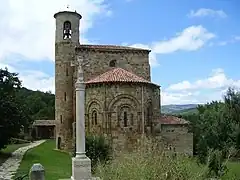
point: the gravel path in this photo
(10, 166)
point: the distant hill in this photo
(179, 109)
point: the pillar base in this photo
(81, 168)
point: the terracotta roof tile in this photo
(117, 75)
(168, 119)
(111, 47)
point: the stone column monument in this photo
(81, 164)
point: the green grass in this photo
(147, 165)
(233, 171)
(6, 153)
(57, 164)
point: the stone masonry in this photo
(116, 106)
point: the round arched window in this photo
(112, 63)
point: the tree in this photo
(216, 125)
(12, 114)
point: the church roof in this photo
(117, 75)
(44, 123)
(110, 47)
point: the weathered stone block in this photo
(37, 172)
(81, 169)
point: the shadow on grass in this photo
(4, 156)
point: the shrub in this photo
(97, 149)
(150, 163)
(217, 164)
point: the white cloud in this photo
(27, 26)
(199, 91)
(217, 79)
(30, 33)
(35, 80)
(203, 12)
(190, 39)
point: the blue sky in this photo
(195, 44)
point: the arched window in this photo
(112, 63)
(67, 31)
(94, 118)
(125, 118)
(65, 96)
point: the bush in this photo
(217, 164)
(97, 149)
(150, 163)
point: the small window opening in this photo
(113, 63)
(65, 96)
(67, 31)
(61, 121)
(125, 118)
(66, 71)
(94, 118)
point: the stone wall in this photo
(130, 60)
(135, 61)
(177, 136)
(107, 106)
(64, 55)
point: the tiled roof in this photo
(44, 123)
(111, 47)
(117, 75)
(167, 119)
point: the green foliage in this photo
(97, 149)
(39, 105)
(216, 125)
(216, 164)
(12, 114)
(20, 106)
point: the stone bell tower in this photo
(66, 39)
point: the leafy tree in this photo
(216, 125)
(12, 115)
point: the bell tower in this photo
(66, 39)
(67, 26)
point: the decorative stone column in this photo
(81, 164)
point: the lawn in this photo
(56, 163)
(6, 153)
(233, 171)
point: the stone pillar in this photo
(81, 164)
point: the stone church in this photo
(120, 98)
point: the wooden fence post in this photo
(37, 172)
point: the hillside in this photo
(179, 109)
(39, 105)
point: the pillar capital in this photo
(80, 86)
